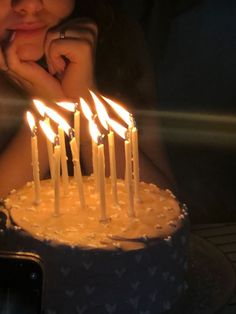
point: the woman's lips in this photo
(28, 30)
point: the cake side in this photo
(157, 215)
(128, 265)
(147, 280)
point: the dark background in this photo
(192, 46)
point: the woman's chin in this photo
(29, 52)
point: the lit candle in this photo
(133, 138)
(122, 131)
(57, 156)
(50, 153)
(73, 107)
(101, 176)
(74, 149)
(135, 161)
(77, 169)
(95, 164)
(128, 177)
(77, 127)
(34, 152)
(41, 109)
(112, 158)
(96, 136)
(89, 116)
(65, 178)
(61, 126)
(104, 119)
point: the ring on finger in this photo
(62, 34)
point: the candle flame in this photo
(101, 111)
(94, 131)
(70, 106)
(118, 128)
(48, 131)
(40, 107)
(122, 112)
(58, 119)
(86, 110)
(31, 120)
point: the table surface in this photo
(222, 236)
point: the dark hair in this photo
(121, 69)
(100, 11)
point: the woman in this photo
(48, 51)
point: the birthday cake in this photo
(121, 265)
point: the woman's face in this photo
(29, 21)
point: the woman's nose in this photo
(27, 6)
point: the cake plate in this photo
(211, 280)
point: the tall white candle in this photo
(41, 108)
(104, 120)
(135, 161)
(95, 164)
(122, 131)
(77, 169)
(101, 184)
(57, 157)
(128, 178)
(35, 164)
(34, 155)
(112, 159)
(77, 129)
(50, 152)
(65, 178)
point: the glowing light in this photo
(31, 120)
(118, 128)
(70, 106)
(122, 112)
(94, 131)
(58, 119)
(101, 111)
(40, 107)
(48, 131)
(86, 110)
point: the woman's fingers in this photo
(3, 64)
(11, 64)
(64, 44)
(32, 77)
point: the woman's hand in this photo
(31, 76)
(70, 54)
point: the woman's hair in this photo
(100, 11)
(13, 103)
(121, 69)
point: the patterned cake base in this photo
(211, 280)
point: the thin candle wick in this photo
(34, 131)
(100, 139)
(127, 135)
(132, 120)
(76, 107)
(56, 140)
(71, 133)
